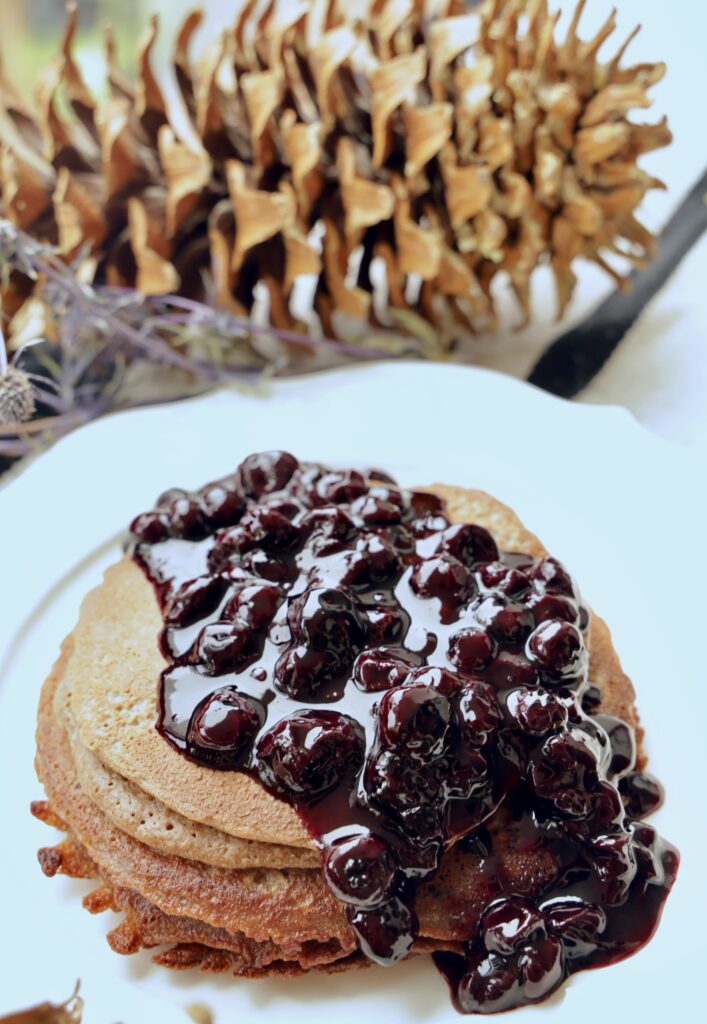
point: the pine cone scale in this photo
(455, 147)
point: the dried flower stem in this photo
(102, 331)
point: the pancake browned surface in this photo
(233, 884)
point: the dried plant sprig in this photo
(93, 342)
(17, 401)
(401, 153)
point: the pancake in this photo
(263, 903)
(112, 674)
(139, 815)
(212, 870)
(291, 909)
(115, 662)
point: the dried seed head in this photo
(17, 402)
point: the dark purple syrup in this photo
(396, 679)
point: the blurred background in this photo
(660, 370)
(30, 30)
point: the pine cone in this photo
(394, 155)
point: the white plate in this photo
(622, 508)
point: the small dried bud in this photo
(16, 397)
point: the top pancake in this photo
(112, 680)
(130, 809)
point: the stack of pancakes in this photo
(207, 865)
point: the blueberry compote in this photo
(397, 679)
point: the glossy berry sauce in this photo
(396, 678)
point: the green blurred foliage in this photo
(31, 30)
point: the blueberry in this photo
(443, 577)
(471, 649)
(362, 871)
(255, 604)
(424, 503)
(564, 771)
(401, 786)
(301, 671)
(373, 511)
(287, 507)
(417, 720)
(151, 527)
(622, 741)
(266, 528)
(553, 577)
(195, 599)
(310, 753)
(169, 496)
(186, 519)
(510, 670)
(374, 560)
(265, 472)
(470, 543)
(607, 808)
(385, 626)
(614, 861)
(327, 620)
(330, 529)
(221, 505)
(591, 698)
(448, 683)
(425, 526)
(505, 620)
(498, 576)
(375, 671)
(537, 711)
(549, 606)
(223, 727)
(267, 567)
(479, 713)
(303, 485)
(489, 985)
(642, 794)
(341, 487)
(391, 494)
(493, 573)
(575, 921)
(509, 923)
(467, 778)
(558, 648)
(225, 647)
(541, 967)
